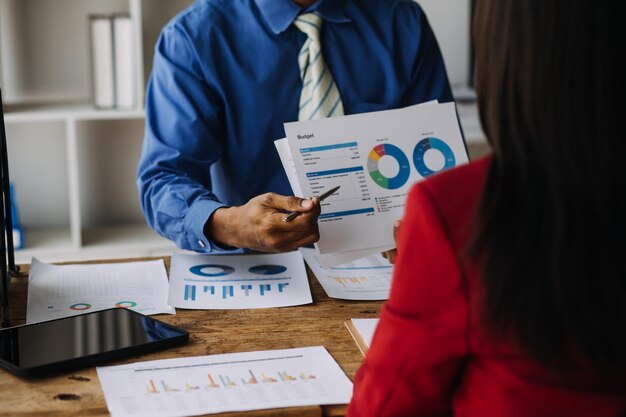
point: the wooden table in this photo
(211, 332)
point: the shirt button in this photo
(202, 244)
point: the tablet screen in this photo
(84, 339)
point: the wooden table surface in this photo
(78, 393)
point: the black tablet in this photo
(84, 340)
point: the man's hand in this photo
(259, 224)
(391, 254)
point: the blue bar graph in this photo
(190, 292)
(329, 147)
(347, 213)
(228, 290)
(333, 172)
(265, 288)
(246, 289)
(232, 291)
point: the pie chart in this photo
(388, 150)
(125, 304)
(211, 270)
(427, 144)
(267, 269)
(80, 306)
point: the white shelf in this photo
(65, 112)
(110, 242)
(44, 244)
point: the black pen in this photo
(295, 214)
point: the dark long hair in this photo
(552, 220)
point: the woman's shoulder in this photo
(457, 185)
(454, 195)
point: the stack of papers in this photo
(374, 158)
(364, 279)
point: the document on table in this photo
(238, 281)
(364, 279)
(362, 331)
(56, 291)
(374, 158)
(228, 382)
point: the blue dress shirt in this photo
(226, 77)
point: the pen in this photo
(295, 214)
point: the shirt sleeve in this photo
(182, 140)
(420, 343)
(429, 79)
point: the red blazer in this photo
(430, 356)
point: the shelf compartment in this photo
(38, 168)
(108, 153)
(124, 240)
(47, 244)
(45, 48)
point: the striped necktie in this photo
(320, 96)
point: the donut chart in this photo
(396, 153)
(80, 306)
(211, 270)
(432, 143)
(125, 304)
(267, 269)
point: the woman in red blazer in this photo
(509, 294)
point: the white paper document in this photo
(364, 279)
(374, 158)
(286, 159)
(56, 291)
(238, 281)
(228, 382)
(366, 328)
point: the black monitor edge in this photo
(7, 255)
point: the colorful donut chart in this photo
(80, 306)
(216, 270)
(396, 153)
(125, 304)
(436, 144)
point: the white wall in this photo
(450, 20)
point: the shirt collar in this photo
(280, 14)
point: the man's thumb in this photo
(291, 203)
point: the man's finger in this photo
(396, 231)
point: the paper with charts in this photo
(238, 281)
(364, 279)
(228, 382)
(375, 158)
(56, 291)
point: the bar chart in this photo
(238, 281)
(229, 382)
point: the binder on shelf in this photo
(124, 57)
(113, 61)
(101, 28)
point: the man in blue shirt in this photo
(225, 79)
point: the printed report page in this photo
(374, 158)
